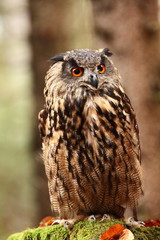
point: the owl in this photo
(90, 138)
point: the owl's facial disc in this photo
(88, 69)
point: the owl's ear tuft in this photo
(107, 52)
(57, 58)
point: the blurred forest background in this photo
(31, 32)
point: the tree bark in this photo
(130, 29)
(48, 37)
(56, 26)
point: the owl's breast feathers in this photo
(91, 143)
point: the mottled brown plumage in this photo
(90, 138)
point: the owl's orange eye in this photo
(101, 68)
(77, 71)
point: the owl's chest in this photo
(94, 121)
(83, 138)
(100, 114)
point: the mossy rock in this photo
(90, 230)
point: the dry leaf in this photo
(113, 232)
(47, 221)
(151, 222)
(126, 235)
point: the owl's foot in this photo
(106, 217)
(132, 223)
(99, 217)
(68, 223)
(92, 217)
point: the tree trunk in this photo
(48, 37)
(130, 29)
(56, 26)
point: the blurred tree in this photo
(16, 196)
(56, 26)
(130, 28)
(48, 37)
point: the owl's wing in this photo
(132, 148)
(132, 132)
(42, 117)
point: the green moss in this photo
(90, 230)
(46, 233)
(146, 233)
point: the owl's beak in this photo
(93, 80)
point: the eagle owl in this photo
(90, 138)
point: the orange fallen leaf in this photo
(47, 221)
(113, 232)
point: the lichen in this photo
(90, 230)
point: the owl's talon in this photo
(105, 217)
(141, 223)
(132, 223)
(65, 223)
(92, 217)
(56, 222)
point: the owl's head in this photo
(82, 68)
